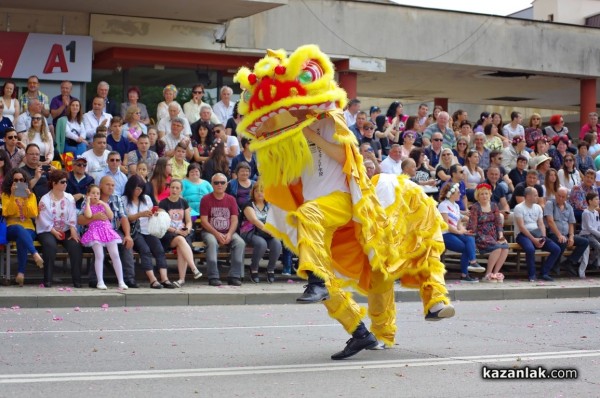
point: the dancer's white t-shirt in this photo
(326, 175)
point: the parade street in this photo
(284, 351)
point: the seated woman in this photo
(240, 187)
(442, 171)
(156, 145)
(70, 133)
(138, 207)
(179, 232)
(569, 175)
(551, 184)
(217, 162)
(19, 206)
(252, 231)
(133, 127)
(204, 143)
(38, 134)
(160, 180)
(462, 150)
(456, 237)
(57, 223)
(422, 175)
(487, 225)
(194, 188)
(473, 173)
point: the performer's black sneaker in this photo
(314, 293)
(356, 345)
(446, 312)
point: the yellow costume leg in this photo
(316, 222)
(382, 309)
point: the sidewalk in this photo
(284, 291)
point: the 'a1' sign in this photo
(56, 58)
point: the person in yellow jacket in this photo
(347, 230)
(19, 211)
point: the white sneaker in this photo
(197, 274)
(101, 286)
(475, 268)
(123, 286)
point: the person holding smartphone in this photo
(19, 207)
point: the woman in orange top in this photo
(19, 212)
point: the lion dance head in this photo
(280, 97)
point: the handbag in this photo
(134, 227)
(158, 224)
(3, 240)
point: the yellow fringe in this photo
(283, 159)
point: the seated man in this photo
(219, 216)
(499, 189)
(393, 163)
(176, 136)
(531, 234)
(561, 224)
(531, 180)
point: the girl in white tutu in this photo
(101, 233)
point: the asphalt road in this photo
(284, 350)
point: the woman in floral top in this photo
(57, 223)
(486, 224)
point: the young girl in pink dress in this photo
(101, 233)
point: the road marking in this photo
(30, 332)
(280, 369)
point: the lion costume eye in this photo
(310, 73)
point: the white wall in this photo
(565, 11)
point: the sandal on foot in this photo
(156, 285)
(197, 273)
(167, 284)
(499, 277)
(39, 261)
(178, 283)
(489, 278)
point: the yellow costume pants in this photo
(316, 222)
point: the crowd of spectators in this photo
(90, 180)
(65, 169)
(490, 174)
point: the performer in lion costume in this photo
(348, 231)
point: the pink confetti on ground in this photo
(15, 307)
(76, 309)
(10, 330)
(57, 318)
(68, 289)
(125, 310)
(41, 286)
(530, 326)
(48, 311)
(104, 306)
(60, 289)
(290, 281)
(497, 309)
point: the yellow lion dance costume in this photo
(347, 230)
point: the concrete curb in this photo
(32, 297)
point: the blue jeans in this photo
(77, 150)
(24, 238)
(464, 244)
(529, 249)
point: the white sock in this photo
(437, 307)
